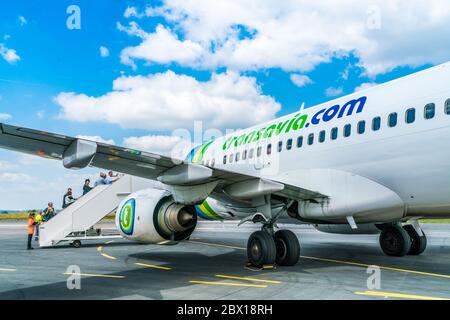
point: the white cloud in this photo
(159, 144)
(161, 47)
(365, 85)
(15, 177)
(300, 80)
(132, 12)
(22, 20)
(97, 139)
(40, 114)
(297, 35)
(5, 116)
(133, 29)
(29, 182)
(10, 55)
(333, 92)
(167, 101)
(7, 165)
(104, 52)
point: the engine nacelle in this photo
(152, 216)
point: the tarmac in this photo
(212, 265)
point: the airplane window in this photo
(289, 144)
(376, 123)
(244, 155)
(299, 141)
(410, 115)
(311, 138)
(334, 133)
(347, 130)
(250, 154)
(225, 159)
(430, 111)
(361, 127)
(447, 106)
(392, 119)
(259, 151)
(231, 158)
(269, 149)
(322, 136)
(238, 155)
(280, 146)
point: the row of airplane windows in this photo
(392, 120)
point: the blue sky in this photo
(231, 55)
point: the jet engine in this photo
(152, 216)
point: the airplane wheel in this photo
(261, 249)
(418, 243)
(395, 241)
(288, 248)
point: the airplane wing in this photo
(76, 152)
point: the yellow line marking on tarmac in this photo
(8, 270)
(152, 266)
(108, 256)
(219, 283)
(397, 295)
(247, 279)
(100, 248)
(93, 275)
(381, 267)
(422, 273)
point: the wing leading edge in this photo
(120, 159)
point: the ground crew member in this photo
(30, 228)
(38, 219)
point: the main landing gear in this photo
(397, 240)
(267, 248)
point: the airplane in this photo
(373, 162)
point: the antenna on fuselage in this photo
(302, 106)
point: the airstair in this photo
(76, 222)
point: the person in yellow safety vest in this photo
(38, 219)
(30, 228)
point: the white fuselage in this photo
(410, 159)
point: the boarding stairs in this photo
(77, 220)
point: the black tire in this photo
(395, 241)
(418, 243)
(288, 248)
(261, 249)
(76, 244)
